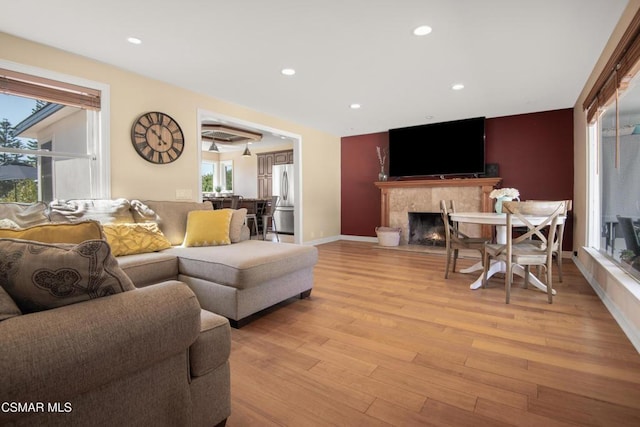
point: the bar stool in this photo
(268, 218)
(235, 201)
(253, 217)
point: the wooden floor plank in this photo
(384, 339)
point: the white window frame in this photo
(594, 230)
(216, 167)
(223, 176)
(98, 130)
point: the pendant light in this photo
(246, 152)
(213, 147)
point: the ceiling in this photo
(513, 56)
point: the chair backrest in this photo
(235, 201)
(444, 212)
(544, 228)
(568, 205)
(273, 205)
(629, 233)
(452, 233)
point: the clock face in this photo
(157, 137)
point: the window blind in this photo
(621, 67)
(28, 86)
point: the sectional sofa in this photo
(155, 354)
(146, 357)
(236, 280)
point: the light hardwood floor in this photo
(385, 340)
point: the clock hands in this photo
(159, 135)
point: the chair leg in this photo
(455, 258)
(527, 270)
(265, 226)
(274, 229)
(485, 269)
(559, 261)
(508, 278)
(255, 226)
(549, 285)
(446, 268)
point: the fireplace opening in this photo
(426, 228)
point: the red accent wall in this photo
(534, 153)
(360, 199)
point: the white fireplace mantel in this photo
(400, 197)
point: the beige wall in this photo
(620, 293)
(132, 95)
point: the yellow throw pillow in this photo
(134, 238)
(57, 233)
(208, 228)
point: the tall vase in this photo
(382, 176)
(499, 201)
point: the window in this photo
(217, 177)
(618, 177)
(613, 111)
(52, 138)
(210, 180)
(226, 176)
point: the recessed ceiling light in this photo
(428, 117)
(457, 86)
(134, 40)
(288, 71)
(422, 30)
(354, 106)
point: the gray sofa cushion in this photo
(150, 268)
(170, 216)
(212, 347)
(8, 307)
(244, 264)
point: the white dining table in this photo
(499, 220)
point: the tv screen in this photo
(438, 149)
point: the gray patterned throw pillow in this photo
(41, 276)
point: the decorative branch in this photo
(382, 155)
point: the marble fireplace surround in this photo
(398, 198)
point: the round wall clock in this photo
(157, 138)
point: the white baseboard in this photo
(359, 238)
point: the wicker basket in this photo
(388, 236)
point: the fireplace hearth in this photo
(399, 197)
(426, 228)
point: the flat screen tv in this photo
(438, 149)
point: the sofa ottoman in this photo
(239, 280)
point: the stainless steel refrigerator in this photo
(282, 186)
